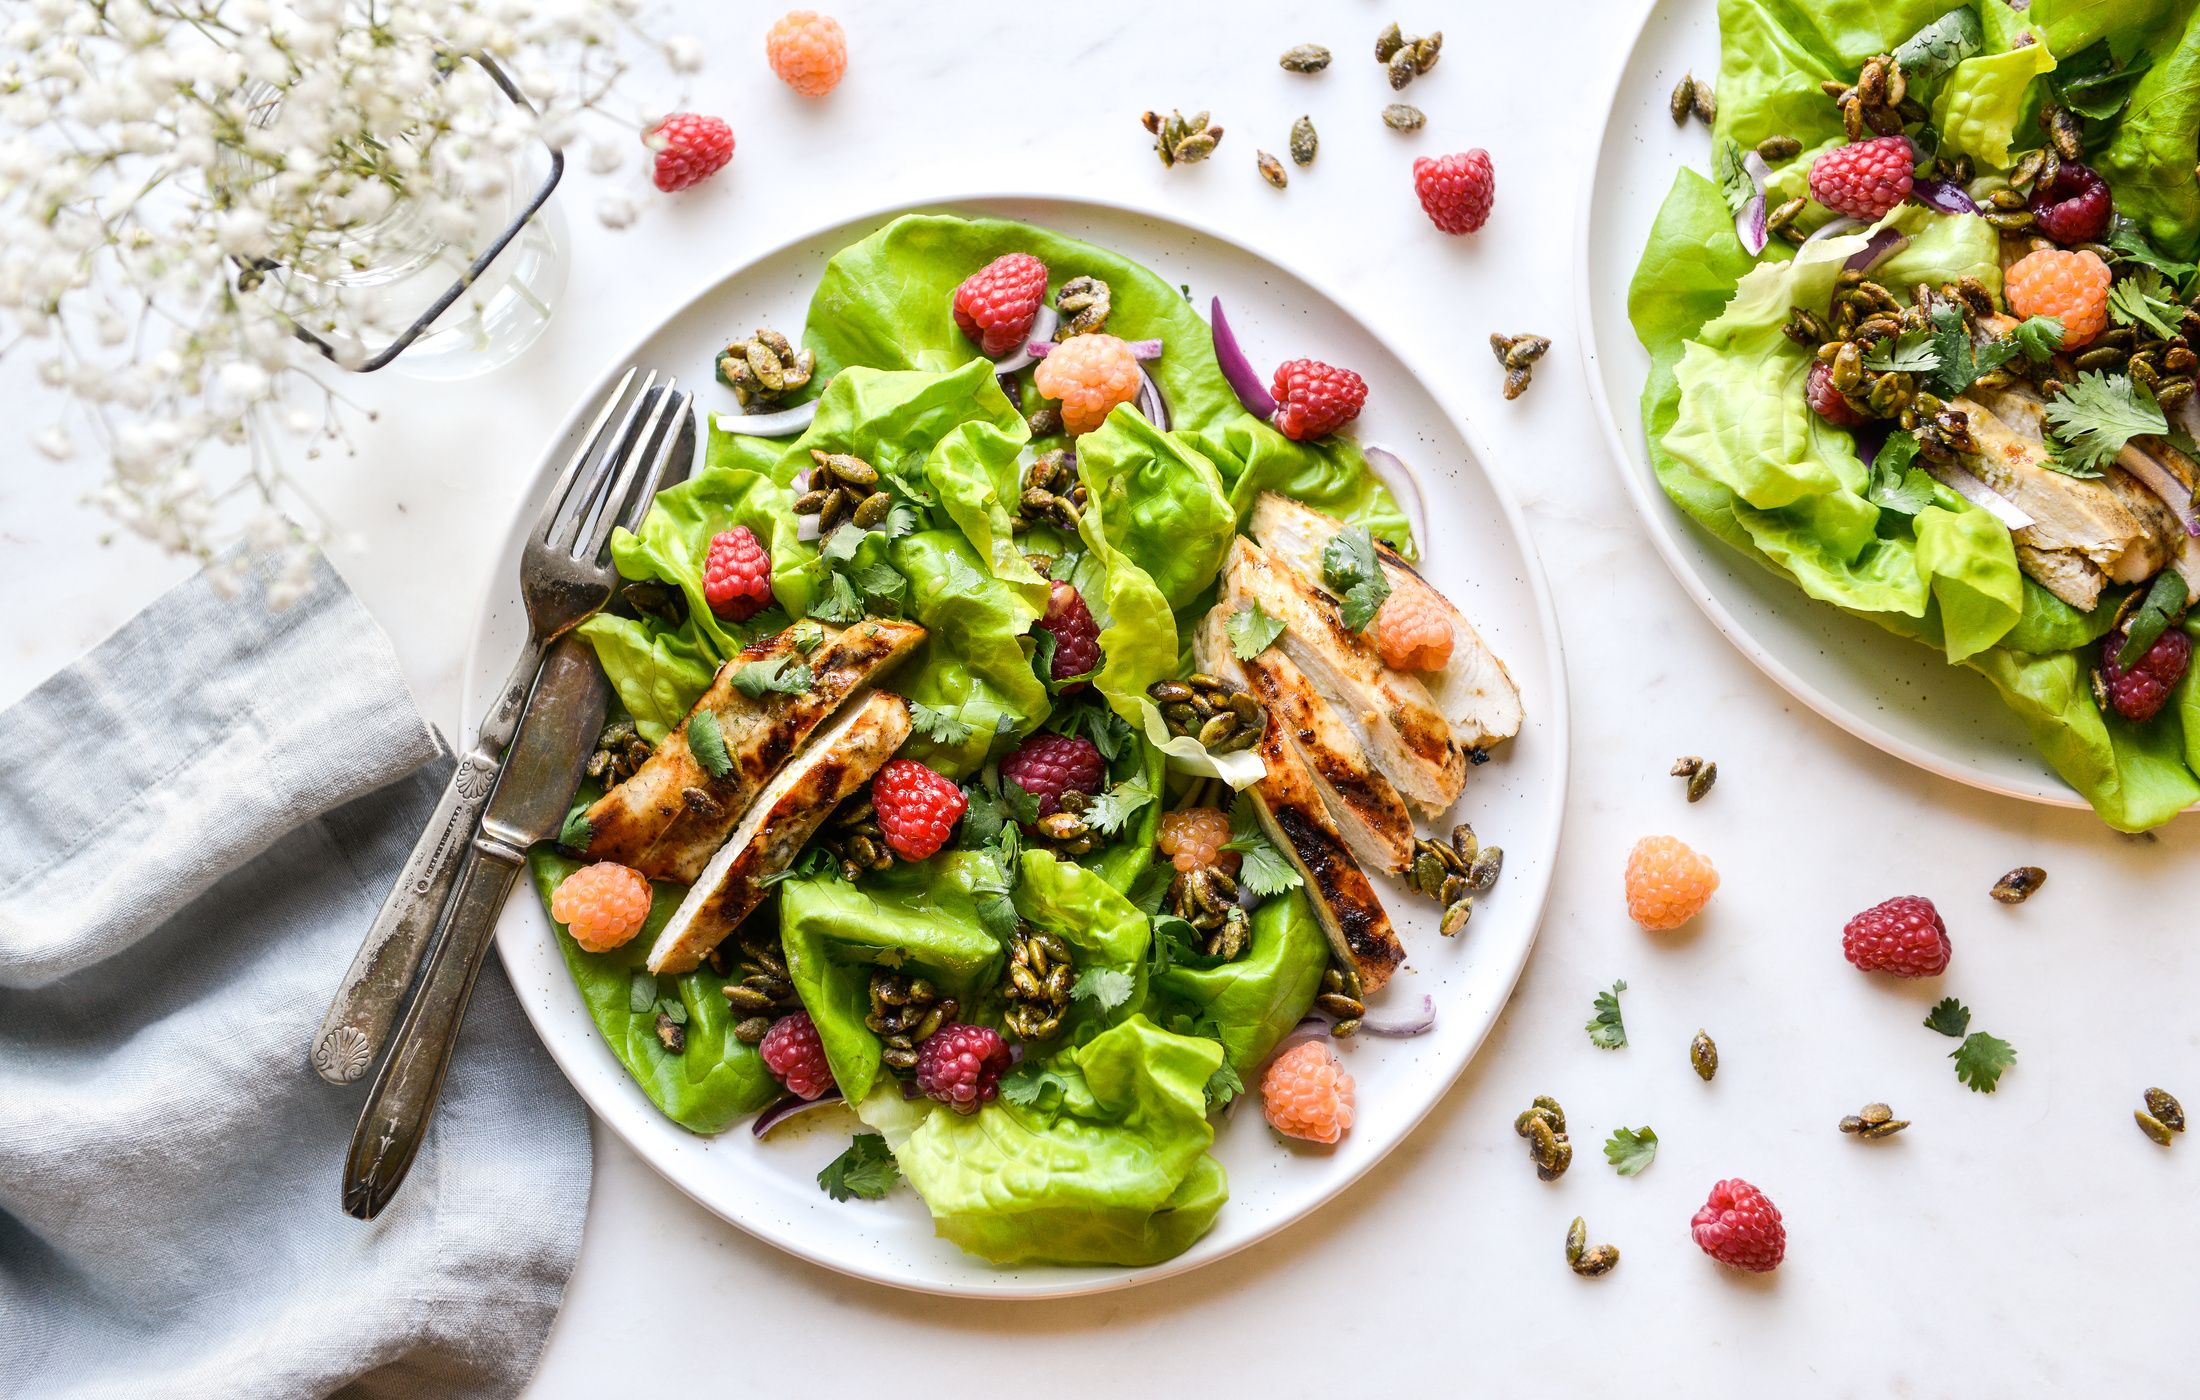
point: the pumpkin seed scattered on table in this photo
(1704, 1055)
(2162, 1116)
(1874, 1120)
(1407, 56)
(1401, 116)
(2019, 884)
(1304, 142)
(1543, 1124)
(1701, 774)
(1271, 169)
(1305, 58)
(1518, 354)
(1583, 1260)
(1181, 142)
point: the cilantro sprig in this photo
(865, 1170)
(1352, 570)
(782, 675)
(1950, 1017)
(1265, 870)
(1629, 1150)
(2095, 416)
(1981, 1059)
(1606, 1030)
(1251, 631)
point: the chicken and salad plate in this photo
(1036, 744)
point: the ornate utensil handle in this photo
(403, 1098)
(373, 990)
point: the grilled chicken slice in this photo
(1368, 811)
(835, 765)
(1475, 692)
(1391, 713)
(2111, 536)
(671, 816)
(1291, 812)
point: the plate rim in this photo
(1663, 521)
(1558, 735)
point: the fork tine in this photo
(573, 511)
(678, 442)
(590, 442)
(648, 448)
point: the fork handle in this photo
(403, 1098)
(373, 991)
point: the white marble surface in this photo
(2027, 1243)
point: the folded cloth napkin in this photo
(197, 823)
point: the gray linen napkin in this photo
(197, 822)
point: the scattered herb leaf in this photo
(1963, 360)
(708, 742)
(940, 726)
(1349, 567)
(1105, 987)
(1223, 1085)
(641, 992)
(2144, 299)
(1265, 870)
(1033, 1085)
(2095, 416)
(1251, 631)
(866, 1169)
(1950, 1017)
(1980, 1059)
(1733, 177)
(1912, 352)
(2131, 245)
(1606, 1030)
(1108, 812)
(837, 601)
(577, 832)
(673, 1009)
(2164, 601)
(781, 675)
(2038, 337)
(1895, 483)
(1629, 1150)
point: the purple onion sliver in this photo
(2162, 482)
(785, 423)
(788, 1107)
(1150, 402)
(1750, 224)
(1145, 349)
(1834, 228)
(1417, 1024)
(1244, 380)
(1040, 334)
(1038, 350)
(1877, 249)
(1945, 195)
(1405, 487)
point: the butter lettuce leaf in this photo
(659, 672)
(1251, 1002)
(1163, 503)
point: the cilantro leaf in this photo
(1629, 1150)
(939, 726)
(1251, 631)
(708, 742)
(1350, 568)
(1152, 888)
(2165, 599)
(2038, 337)
(1980, 1059)
(1032, 1085)
(1733, 178)
(641, 993)
(1963, 360)
(2092, 83)
(577, 831)
(997, 913)
(2095, 416)
(1223, 1085)
(781, 675)
(841, 545)
(1108, 812)
(837, 602)
(1941, 45)
(1895, 484)
(883, 587)
(1950, 1017)
(2143, 299)
(673, 1009)
(866, 1169)
(813, 862)
(983, 818)
(2131, 245)
(1913, 352)
(1606, 1030)
(1021, 805)
(1265, 871)
(1105, 987)
(806, 636)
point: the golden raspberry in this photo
(1090, 374)
(1413, 632)
(808, 51)
(1194, 837)
(602, 905)
(1307, 1094)
(1667, 883)
(2072, 287)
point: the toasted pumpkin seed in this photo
(1683, 100)
(1456, 916)
(1703, 101)
(2164, 1106)
(1401, 116)
(1704, 1056)
(1874, 1120)
(1403, 68)
(1305, 58)
(1271, 169)
(1305, 142)
(1775, 149)
(2152, 1126)
(2019, 884)
(1597, 1262)
(1388, 42)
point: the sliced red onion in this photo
(2156, 476)
(1041, 333)
(785, 423)
(1419, 1023)
(1877, 249)
(1945, 195)
(1140, 349)
(1404, 485)
(1978, 493)
(1244, 379)
(788, 1107)
(1834, 228)
(1150, 402)
(1749, 224)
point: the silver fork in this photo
(560, 586)
(557, 731)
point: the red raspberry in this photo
(1413, 632)
(808, 51)
(1903, 936)
(602, 905)
(1076, 635)
(1826, 401)
(1740, 1228)
(1306, 1093)
(690, 149)
(2139, 693)
(1193, 839)
(737, 575)
(1456, 190)
(1090, 374)
(1313, 399)
(2075, 206)
(793, 1051)
(995, 304)
(917, 808)
(1864, 179)
(1048, 765)
(961, 1065)
(1667, 883)
(2072, 287)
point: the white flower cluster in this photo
(185, 183)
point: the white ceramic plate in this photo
(1485, 563)
(1891, 693)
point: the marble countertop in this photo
(2023, 1243)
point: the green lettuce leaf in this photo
(659, 672)
(1138, 640)
(1162, 500)
(1103, 928)
(1253, 1001)
(1986, 99)
(2149, 161)
(675, 536)
(716, 1081)
(1329, 474)
(1116, 1173)
(973, 660)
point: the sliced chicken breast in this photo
(671, 816)
(1475, 691)
(1292, 813)
(778, 825)
(1391, 713)
(1368, 811)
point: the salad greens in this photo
(1096, 1149)
(1731, 438)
